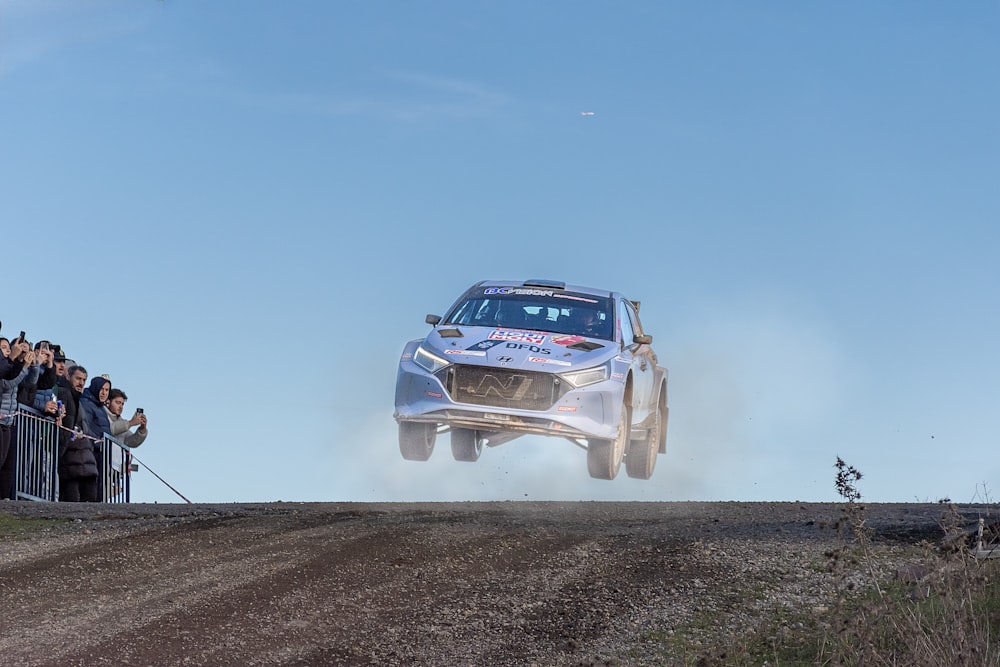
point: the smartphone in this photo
(139, 410)
(20, 339)
(44, 345)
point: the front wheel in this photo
(604, 457)
(416, 440)
(466, 444)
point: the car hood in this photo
(518, 348)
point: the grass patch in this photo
(12, 527)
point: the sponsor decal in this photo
(567, 340)
(406, 356)
(468, 353)
(504, 359)
(517, 335)
(531, 348)
(575, 298)
(543, 360)
(617, 376)
(434, 394)
(567, 408)
(517, 290)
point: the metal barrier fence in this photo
(114, 460)
(36, 455)
(37, 461)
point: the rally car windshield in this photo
(538, 310)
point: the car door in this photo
(641, 360)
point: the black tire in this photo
(604, 457)
(641, 456)
(466, 444)
(416, 440)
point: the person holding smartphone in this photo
(43, 398)
(120, 427)
(9, 368)
(20, 354)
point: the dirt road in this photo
(414, 584)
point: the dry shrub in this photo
(942, 610)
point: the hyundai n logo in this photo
(505, 360)
(513, 388)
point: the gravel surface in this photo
(505, 583)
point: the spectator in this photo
(95, 419)
(43, 379)
(60, 361)
(21, 355)
(45, 399)
(9, 369)
(37, 439)
(77, 465)
(119, 426)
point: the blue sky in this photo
(241, 211)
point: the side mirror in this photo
(642, 340)
(432, 320)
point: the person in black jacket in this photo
(10, 369)
(77, 465)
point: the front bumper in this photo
(586, 412)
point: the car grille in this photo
(502, 387)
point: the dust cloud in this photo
(746, 390)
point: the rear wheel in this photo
(641, 456)
(466, 444)
(604, 457)
(416, 440)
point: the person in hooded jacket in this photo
(95, 419)
(92, 401)
(77, 465)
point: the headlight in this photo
(589, 376)
(428, 361)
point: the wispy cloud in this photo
(401, 96)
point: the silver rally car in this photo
(539, 356)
